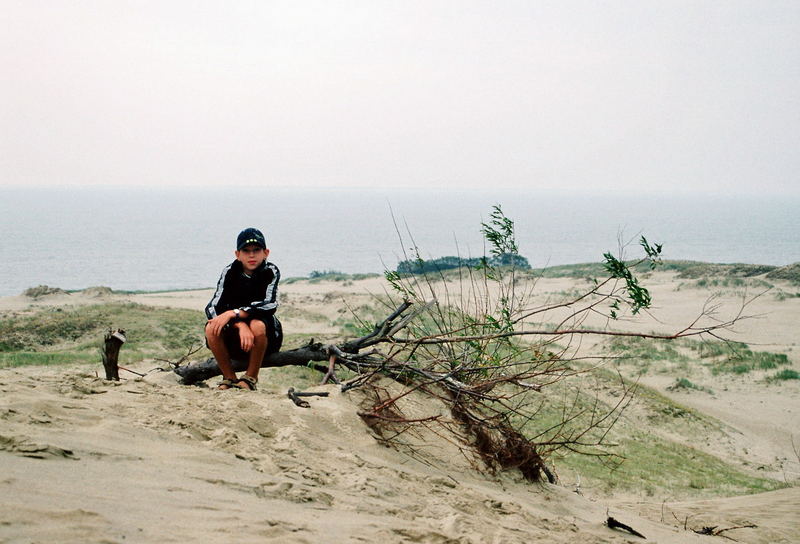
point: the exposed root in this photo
(500, 446)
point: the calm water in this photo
(153, 239)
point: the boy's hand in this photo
(216, 325)
(245, 337)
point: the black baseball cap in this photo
(250, 236)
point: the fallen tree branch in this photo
(614, 524)
(714, 531)
(295, 396)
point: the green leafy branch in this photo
(618, 269)
(499, 232)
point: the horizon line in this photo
(572, 191)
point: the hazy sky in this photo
(662, 95)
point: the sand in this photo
(148, 460)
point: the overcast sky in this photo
(661, 95)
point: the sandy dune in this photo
(85, 460)
(149, 460)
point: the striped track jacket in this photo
(257, 295)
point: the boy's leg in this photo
(216, 343)
(256, 356)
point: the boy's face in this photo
(251, 257)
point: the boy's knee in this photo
(258, 328)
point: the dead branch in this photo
(614, 524)
(295, 396)
(191, 350)
(715, 531)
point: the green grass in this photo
(736, 358)
(582, 270)
(362, 320)
(790, 272)
(76, 334)
(782, 295)
(317, 276)
(717, 282)
(695, 270)
(719, 357)
(42, 290)
(643, 352)
(727, 282)
(685, 269)
(646, 348)
(706, 274)
(664, 469)
(146, 292)
(25, 358)
(711, 274)
(685, 383)
(646, 462)
(592, 270)
(333, 275)
(785, 374)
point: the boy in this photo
(241, 314)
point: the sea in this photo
(165, 238)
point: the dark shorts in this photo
(274, 339)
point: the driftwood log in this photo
(302, 356)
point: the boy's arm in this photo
(211, 307)
(266, 307)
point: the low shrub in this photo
(42, 290)
(786, 374)
(684, 383)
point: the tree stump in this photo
(112, 343)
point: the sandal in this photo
(249, 383)
(226, 384)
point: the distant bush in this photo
(732, 282)
(314, 274)
(42, 290)
(790, 272)
(782, 295)
(419, 266)
(334, 275)
(786, 374)
(695, 270)
(643, 351)
(684, 383)
(11, 344)
(98, 291)
(737, 358)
